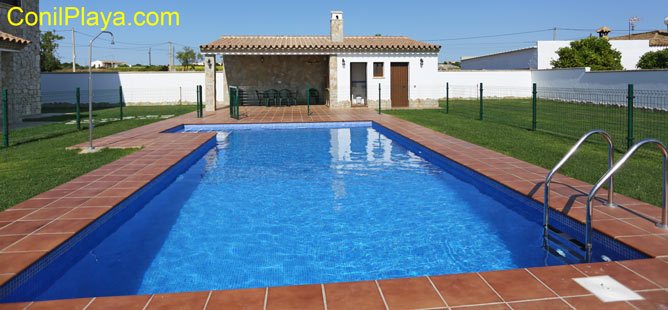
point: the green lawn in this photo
(37, 160)
(639, 178)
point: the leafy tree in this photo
(654, 60)
(47, 51)
(188, 57)
(593, 52)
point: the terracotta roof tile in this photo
(315, 43)
(12, 39)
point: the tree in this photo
(654, 60)
(188, 57)
(47, 51)
(593, 52)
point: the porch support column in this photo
(333, 82)
(210, 82)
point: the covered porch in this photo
(270, 79)
(278, 80)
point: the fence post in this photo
(5, 120)
(197, 103)
(120, 99)
(308, 100)
(379, 98)
(201, 102)
(231, 101)
(236, 103)
(533, 108)
(629, 137)
(481, 101)
(447, 97)
(78, 108)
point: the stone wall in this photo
(293, 72)
(19, 71)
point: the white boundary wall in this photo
(583, 78)
(139, 88)
(496, 83)
(163, 87)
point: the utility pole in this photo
(170, 55)
(149, 56)
(554, 38)
(74, 54)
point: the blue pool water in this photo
(300, 206)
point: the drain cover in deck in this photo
(607, 289)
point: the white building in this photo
(540, 55)
(106, 64)
(343, 71)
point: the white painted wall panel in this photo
(423, 79)
(522, 59)
(138, 87)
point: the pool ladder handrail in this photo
(610, 173)
(548, 179)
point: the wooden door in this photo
(399, 84)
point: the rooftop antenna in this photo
(632, 25)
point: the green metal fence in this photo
(629, 115)
(70, 107)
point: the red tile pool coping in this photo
(36, 226)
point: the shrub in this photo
(593, 52)
(654, 60)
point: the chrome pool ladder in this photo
(547, 229)
(608, 176)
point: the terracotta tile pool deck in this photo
(34, 227)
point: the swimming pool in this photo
(287, 204)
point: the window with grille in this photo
(377, 69)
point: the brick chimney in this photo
(336, 26)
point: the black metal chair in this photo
(262, 98)
(287, 96)
(272, 95)
(314, 96)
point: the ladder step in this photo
(564, 246)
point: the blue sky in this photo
(203, 21)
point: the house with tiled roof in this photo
(341, 71)
(656, 37)
(19, 62)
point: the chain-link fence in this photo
(650, 115)
(628, 115)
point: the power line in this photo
(491, 35)
(527, 32)
(115, 48)
(122, 42)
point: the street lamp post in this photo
(90, 87)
